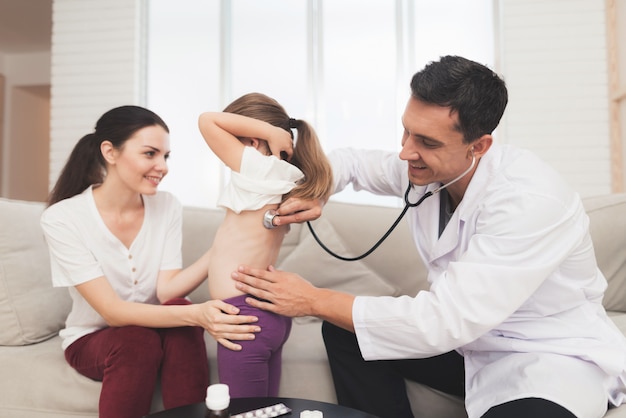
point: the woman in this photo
(250, 137)
(115, 242)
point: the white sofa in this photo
(35, 380)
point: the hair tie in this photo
(292, 123)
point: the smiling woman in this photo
(115, 243)
(95, 154)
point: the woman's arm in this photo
(220, 319)
(179, 283)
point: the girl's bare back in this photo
(242, 239)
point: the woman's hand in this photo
(224, 323)
(295, 210)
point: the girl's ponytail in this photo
(310, 158)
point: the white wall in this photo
(617, 65)
(553, 56)
(96, 65)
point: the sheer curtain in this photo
(343, 65)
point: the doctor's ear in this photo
(481, 146)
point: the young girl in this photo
(250, 137)
(115, 242)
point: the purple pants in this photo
(255, 370)
(128, 361)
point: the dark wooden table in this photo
(239, 405)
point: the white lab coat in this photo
(514, 286)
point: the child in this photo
(250, 137)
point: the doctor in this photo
(513, 319)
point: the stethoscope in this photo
(408, 204)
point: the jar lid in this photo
(217, 397)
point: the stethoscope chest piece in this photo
(268, 219)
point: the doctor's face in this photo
(432, 147)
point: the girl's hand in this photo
(224, 323)
(280, 143)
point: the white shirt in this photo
(261, 180)
(82, 248)
(515, 287)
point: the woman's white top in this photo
(82, 248)
(261, 180)
(515, 286)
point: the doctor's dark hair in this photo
(476, 93)
(86, 165)
(308, 154)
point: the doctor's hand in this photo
(295, 210)
(281, 292)
(224, 323)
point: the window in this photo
(343, 65)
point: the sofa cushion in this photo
(396, 261)
(31, 310)
(310, 261)
(607, 224)
(44, 384)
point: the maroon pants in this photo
(128, 360)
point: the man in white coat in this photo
(513, 319)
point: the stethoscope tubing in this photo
(385, 235)
(407, 204)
